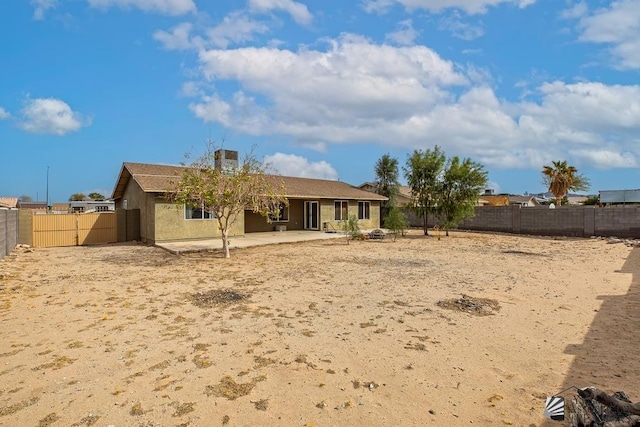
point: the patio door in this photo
(311, 216)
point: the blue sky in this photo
(322, 89)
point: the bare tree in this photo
(227, 192)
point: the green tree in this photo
(351, 228)
(592, 200)
(228, 192)
(395, 222)
(387, 184)
(77, 197)
(561, 178)
(423, 172)
(96, 196)
(26, 199)
(462, 182)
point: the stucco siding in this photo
(171, 225)
(137, 199)
(327, 215)
(255, 223)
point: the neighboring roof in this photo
(496, 200)
(33, 205)
(577, 200)
(8, 202)
(523, 199)
(60, 207)
(405, 191)
(158, 179)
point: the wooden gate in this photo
(74, 229)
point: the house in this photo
(34, 206)
(403, 198)
(523, 201)
(577, 200)
(314, 204)
(495, 200)
(8, 202)
(86, 206)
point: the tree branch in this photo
(610, 401)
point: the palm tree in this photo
(387, 184)
(562, 178)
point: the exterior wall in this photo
(138, 199)
(8, 230)
(254, 223)
(573, 221)
(329, 223)
(128, 224)
(621, 221)
(170, 224)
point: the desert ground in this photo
(470, 329)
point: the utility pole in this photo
(47, 201)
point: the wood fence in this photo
(73, 229)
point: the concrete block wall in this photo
(495, 218)
(8, 230)
(619, 221)
(570, 221)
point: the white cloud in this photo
(405, 35)
(353, 84)
(409, 97)
(50, 116)
(460, 29)
(177, 39)
(235, 28)
(576, 11)
(377, 6)
(292, 165)
(617, 26)
(470, 7)
(605, 159)
(165, 7)
(4, 114)
(298, 11)
(591, 107)
(190, 89)
(41, 7)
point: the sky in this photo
(317, 89)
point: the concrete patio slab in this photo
(248, 240)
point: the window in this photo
(342, 210)
(363, 210)
(200, 212)
(280, 213)
(102, 208)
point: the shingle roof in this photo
(158, 179)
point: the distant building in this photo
(86, 206)
(8, 202)
(619, 196)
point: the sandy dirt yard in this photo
(322, 333)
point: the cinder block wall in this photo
(8, 231)
(571, 221)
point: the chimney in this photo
(488, 192)
(226, 160)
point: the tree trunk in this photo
(426, 222)
(225, 243)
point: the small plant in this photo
(396, 222)
(351, 229)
